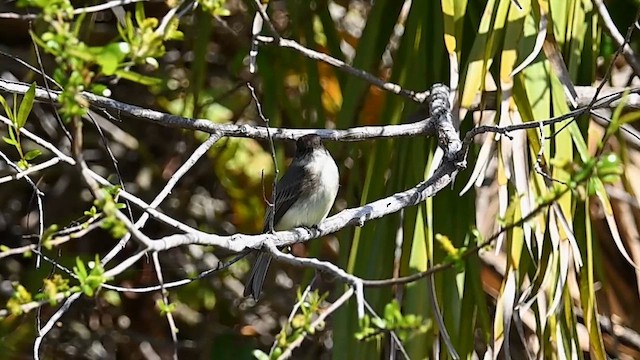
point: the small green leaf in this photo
(32, 154)
(26, 105)
(100, 89)
(47, 235)
(91, 212)
(23, 164)
(108, 62)
(87, 290)
(165, 308)
(6, 107)
(111, 56)
(609, 168)
(260, 355)
(80, 270)
(112, 297)
(9, 141)
(139, 13)
(12, 134)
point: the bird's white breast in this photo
(320, 200)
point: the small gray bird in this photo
(304, 196)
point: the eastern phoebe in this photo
(304, 196)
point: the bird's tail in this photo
(256, 278)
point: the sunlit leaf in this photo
(32, 154)
(26, 105)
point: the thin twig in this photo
(444, 334)
(622, 43)
(272, 204)
(112, 157)
(607, 75)
(76, 143)
(418, 97)
(45, 78)
(393, 334)
(166, 19)
(79, 232)
(294, 310)
(38, 195)
(256, 27)
(177, 283)
(163, 293)
(317, 322)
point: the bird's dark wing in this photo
(288, 190)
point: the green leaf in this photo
(6, 107)
(108, 62)
(172, 32)
(91, 212)
(165, 308)
(9, 141)
(32, 154)
(111, 56)
(26, 105)
(139, 13)
(100, 89)
(80, 270)
(12, 135)
(260, 355)
(23, 164)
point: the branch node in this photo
(440, 107)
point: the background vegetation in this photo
(555, 207)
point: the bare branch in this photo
(245, 130)
(354, 216)
(423, 127)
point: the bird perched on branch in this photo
(304, 196)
